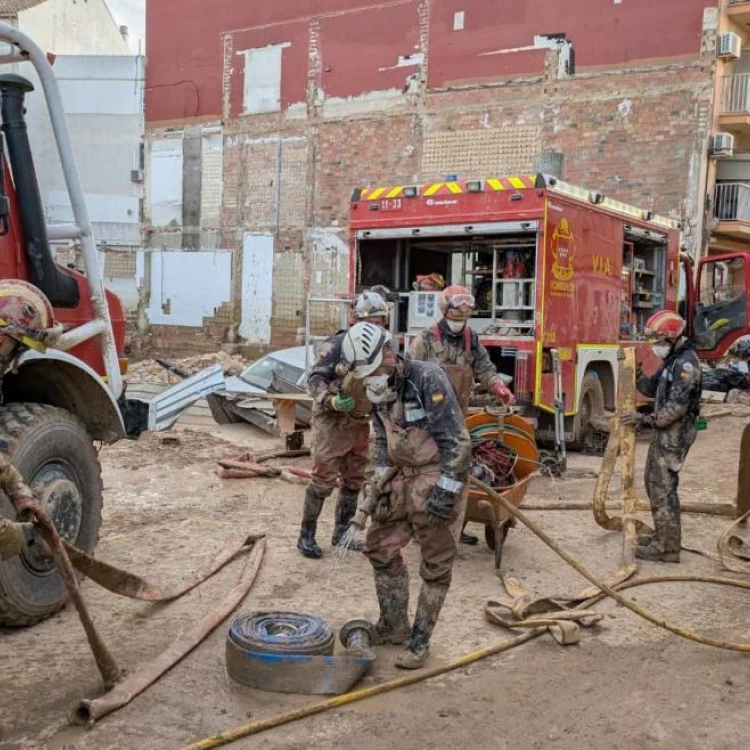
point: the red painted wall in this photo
(602, 33)
(185, 42)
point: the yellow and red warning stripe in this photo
(493, 184)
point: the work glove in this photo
(443, 498)
(343, 404)
(636, 420)
(499, 390)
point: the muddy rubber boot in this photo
(393, 598)
(431, 598)
(346, 507)
(655, 554)
(306, 543)
(468, 538)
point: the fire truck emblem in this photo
(563, 251)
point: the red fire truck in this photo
(555, 269)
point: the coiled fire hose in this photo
(256, 727)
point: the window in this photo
(262, 91)
(721, 307)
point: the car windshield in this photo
(261, 373)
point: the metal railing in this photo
(736, 93)
(732, 201)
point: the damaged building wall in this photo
(357, 93)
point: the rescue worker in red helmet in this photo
(419, 430)
(453, 345)
(676, 388)
(340, 433)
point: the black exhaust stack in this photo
(60, 288)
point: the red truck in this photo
(556, 270)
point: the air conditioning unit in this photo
(136, 175)
(723, 144)
(730, 46)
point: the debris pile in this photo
(150, 371)
(249, 466)
(730, 375)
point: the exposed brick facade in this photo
(637, 130)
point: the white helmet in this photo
(362, 348)
(370, 305)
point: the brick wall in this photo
(637, 131)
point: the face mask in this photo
(661, 350)
(456, 326)
(379, 389)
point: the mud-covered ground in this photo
(628, 684)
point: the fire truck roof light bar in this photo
(594, 196)
(450, 230)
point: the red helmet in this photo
(457, 302)
(24, 313)
(665, 324)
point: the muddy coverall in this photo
(676, 388)
(423, 434)
(339, 441)
(455, 352)
(464, 360)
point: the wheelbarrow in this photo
(516, 433)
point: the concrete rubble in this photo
(150, 371)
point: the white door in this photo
(257, 287)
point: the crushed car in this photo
(245, 397)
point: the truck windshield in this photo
(722, 301)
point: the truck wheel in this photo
(55, 455)
(591, 405)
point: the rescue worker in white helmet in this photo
(419, 431)
(340, 433)
(453, 345)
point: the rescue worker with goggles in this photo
(676, 388)
(452, 344)
(422, 444)
(340, 433)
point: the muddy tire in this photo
(591, 404)
(54, 453)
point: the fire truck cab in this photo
(558, 271)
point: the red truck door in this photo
(720, 313)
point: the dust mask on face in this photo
(379, 390)
(661, 350)
(456, 326)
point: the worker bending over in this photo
(340, 433)
(453, 345)
(676, 388)
(419, 430)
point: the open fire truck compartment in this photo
(553, 267)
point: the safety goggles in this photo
(465, 302)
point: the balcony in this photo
(735, 109)
(732, 210)
(739, 12)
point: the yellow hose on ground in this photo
(261, 725)
(605, 588)
(255, 727)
